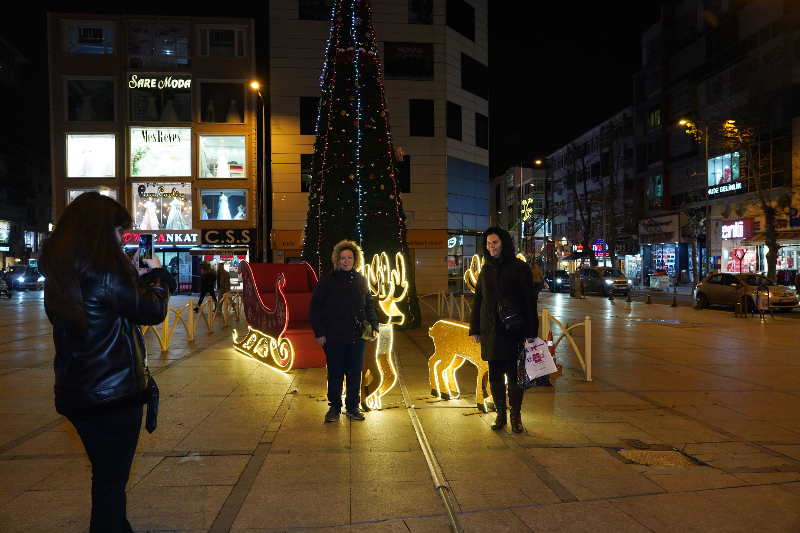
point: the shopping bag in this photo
(538, 361)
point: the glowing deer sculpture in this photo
(384, 283)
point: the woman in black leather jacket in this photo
(95, 298)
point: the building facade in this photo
(158, 113)
(25, 201)
(434, 58)
(519, 203)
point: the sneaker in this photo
(333, 414)
(355, 414)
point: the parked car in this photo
(604, 280)
(725, 289)
(558, 280)
(30, 279)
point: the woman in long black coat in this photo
(512, 277)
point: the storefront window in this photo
(105, 191)
(738, 259)
(223, 204)
(90, 100)
(633, 267)
(90, 39)
(91, 156)
(723, 169)
(222, 42)
(222, 156)
(158, 45)
(663, 257)
(5, 231)
(160, 97)
(162, 206)
(157, 152)
(222, 102)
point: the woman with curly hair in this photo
(341, 298)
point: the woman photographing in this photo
(505, 280)
(96, 299)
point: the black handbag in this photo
(363, 327)
(511, 319)
(151, 419)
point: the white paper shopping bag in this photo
(538, 361)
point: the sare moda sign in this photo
(164, 82)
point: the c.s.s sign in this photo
(226, 236)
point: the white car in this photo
(725, 289)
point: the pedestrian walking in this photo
(207, 281)
(223, 280)
(538, 279)
(341, 301)
(505, 281)
(96, 299)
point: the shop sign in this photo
(730, 187)
(185, 286)
(5, 249)
(287, 240)
(737, 229)
(428, 239)
(90, 35)
(164, 82)
(657, 238)
(226, 236)
(164, 238)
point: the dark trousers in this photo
(499, 371)
(203, 292)
(344, 360)
(110, 442)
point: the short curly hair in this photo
(358, 254)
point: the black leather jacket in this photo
(105, 367)
(329, 313)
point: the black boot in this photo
(499, 397)
(515, 393)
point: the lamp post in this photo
(705, 124)
(265, 195)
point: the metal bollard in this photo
(674, 301)
(648, 299)
(611, 296)
(629, 297)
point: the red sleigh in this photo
(276, 299)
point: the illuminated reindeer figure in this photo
(384, 281)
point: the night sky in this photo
(555, 70)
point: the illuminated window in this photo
(91, 155)
(222, 156)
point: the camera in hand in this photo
(145, 248)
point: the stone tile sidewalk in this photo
(243, 448)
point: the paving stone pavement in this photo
(237, 450)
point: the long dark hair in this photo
(83, 248)
(506, 242)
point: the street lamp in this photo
(265, 195)
(705, 124)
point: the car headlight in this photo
(41, 279)
(559, 280)
(609, 281)
(630, 282)
(21, 278)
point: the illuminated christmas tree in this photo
(354, 192)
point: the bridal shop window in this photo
(105, 191)
(91, 156)
(222, 42)
(90, 100)
(157, 152)
(222, 102)
(162, 206)
(222, 156)
(158, 44)
(88, 38)
(160, 97)
(223, 204)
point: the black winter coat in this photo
(104, 368)
(516, 284)
(329, 312)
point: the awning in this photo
(782, 237)
(219, 251)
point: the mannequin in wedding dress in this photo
(150, 217)
(233, 113)
(240, 215)
(224, 212)
(168, 114)
(175, 218)
(223, 170)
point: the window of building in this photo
(481, 131)
(653, 151)
(90, 100)
(89, 38)
(91, 155)
(156, 152)
(222, 102)
(454, 121)
(105, 191)
(655, 191)
(420, 118)
(474, 77)
(223, 204)
(420, 11)
(161, 206)
(653, 117)
(408, 61)
(160, 97)
(402, 174)
(309, 112)
(158, 44)
(305, 172)
(222, 156)
(461, 17)
(222, 42)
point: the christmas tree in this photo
(354, 193)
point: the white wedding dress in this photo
(240, 215)
(150, 217)
(223, 170)
(224, 212)
(175, 218)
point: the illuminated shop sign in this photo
(227, 236)
(157, 152)
(164, 82)
(726, 188)
(165, 238)
(737, 229)
(162, 206)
